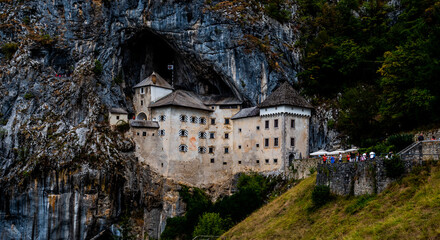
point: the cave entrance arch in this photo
(147, 51)
(141, 116)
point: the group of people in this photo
(421, 137)
(349, 158)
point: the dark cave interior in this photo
(146, 52)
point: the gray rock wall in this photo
(358, 178)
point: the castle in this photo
(200, 140)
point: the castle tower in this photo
(149, 91)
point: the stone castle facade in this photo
(200, 140)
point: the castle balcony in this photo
(143, 124)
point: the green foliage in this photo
(97, 69)
(119, 78)
(28, 96)
(8, 49)
(394, 167)
(312, 170)
(127, 229)
(26, 20)
(122, 126)
(210, 224)
(321, 195)
(276, 9)
(253, 190)
(399, 141)
(382, 72)
(361, 202)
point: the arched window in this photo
(141, 116)
(183, 118)
(183, 133)
(183, 148)
(203, 135)
(202, 150)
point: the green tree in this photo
(210, 224)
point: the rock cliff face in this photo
(64, 63)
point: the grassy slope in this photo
(409, 209)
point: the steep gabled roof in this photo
(247, 112)
(118, 111)
(154, 80)
(285, 94)
(220, 100)
(181, 98)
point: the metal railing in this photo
(205, 237)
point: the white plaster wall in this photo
(286, 109)
(113, 118)
(158, 93)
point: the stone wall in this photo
(300, 169)
(426, 150)
(356, 178)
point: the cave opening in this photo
(147, 51)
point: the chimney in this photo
(153, 78)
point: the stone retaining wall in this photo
(357, 178)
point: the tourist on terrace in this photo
(340, 157)
(372, 155)
(421, 138)
(324, 159)
(433, 138)
(332, 159)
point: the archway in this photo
(141, 116)
(291, 157)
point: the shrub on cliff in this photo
(97, 69)
(8, 49)
(394, 167)
(321, 195)
(210, 224)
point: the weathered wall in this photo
(356, 178)
(426, 150)
(302, 168)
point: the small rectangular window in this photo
(258, 127)
(144, 134)
(292, 142)
(211, 149)
(266, 142)
(239, 146)
(226, 135)
(226, 150)
(239, 162)
(267, 161)
(275, 161)
(292, 123)
(142, 91)
(117, 117)
(266, 124)
(226, 120)
(275, 142)
(239, 129)
(213, 121)
(257, 145)
(212, 135)
(137, 133)
(224, 163)
(212, 160)
(275, 123)
(142, 102)
(258, 161)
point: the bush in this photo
(321, 195)
(28, 96)
(399, 141)
(8, 49)
(118, 79)
(394, 167)
(97, 69)
(210, 224)
(122, 126)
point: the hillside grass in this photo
(408, 209)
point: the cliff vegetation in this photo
(376, 61)
(408, 209)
